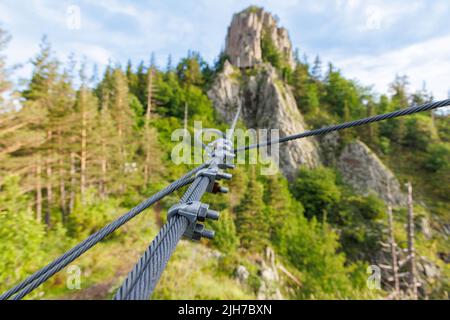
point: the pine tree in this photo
(48, 91)
(87, 107)
(5, 84)
(399, 99)
(124, 121)
(279, 204)
(106, 143)
(316, 71)
(169, 63)
(152, 163)
(251, 220)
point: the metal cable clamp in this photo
(214, 174)
(194, 211)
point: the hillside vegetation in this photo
(84, 148)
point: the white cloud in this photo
(427, 61)
(93, 53)
(337, 30)
(115, 6)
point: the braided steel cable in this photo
(36, 279)
(142, 280)
(351, 124)
(200, 189)
(233, 124)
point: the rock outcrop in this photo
(243, 42)
(268, 102)
(361, 168)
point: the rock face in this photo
(267, 103)
(362, 169)
(243, 42)
(269, 280)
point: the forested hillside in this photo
(81, 148)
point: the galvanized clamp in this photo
(214, 173)
(194, 211)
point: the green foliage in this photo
(279, 204)
(226, 239)
(385, 145)
(138, 110)
(251, 222)
(90, 215)
(438, 157)
(271, 55)
(173, 97)
(311, 248)
(319, 228)
(189, 71)
(21, 235)
(270, 52)
(317, 190)
(360, 220)
(342, 96)
(253, 9)
(420, 132)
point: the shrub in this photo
(316, 189)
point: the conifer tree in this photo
(316, 71)
(123, 118)
(251, 220)
(45, 92)
(87, 106)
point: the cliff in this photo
(268, 103)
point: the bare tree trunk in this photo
(149, 94)
(147, 126)
(185, 117)
(103, 168)
(393, 245)
(38, 190)
(121, 151)
(49, 192)
(72, 182)
(103, 179)
(83, 148)
(62, 185)
(411, 250)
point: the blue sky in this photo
(369, 40)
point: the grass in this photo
(192, 272)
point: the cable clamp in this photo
(213, 173)
(194, 211)
(222, 150)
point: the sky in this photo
(369, 40)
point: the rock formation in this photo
(268, 102)
(243, 42)
(362, 169)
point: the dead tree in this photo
(411, 250)
(393, 245)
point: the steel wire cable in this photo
(351, 124)
(37, 278)
(142, 279)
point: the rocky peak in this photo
(268, 103)
(247, 29)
